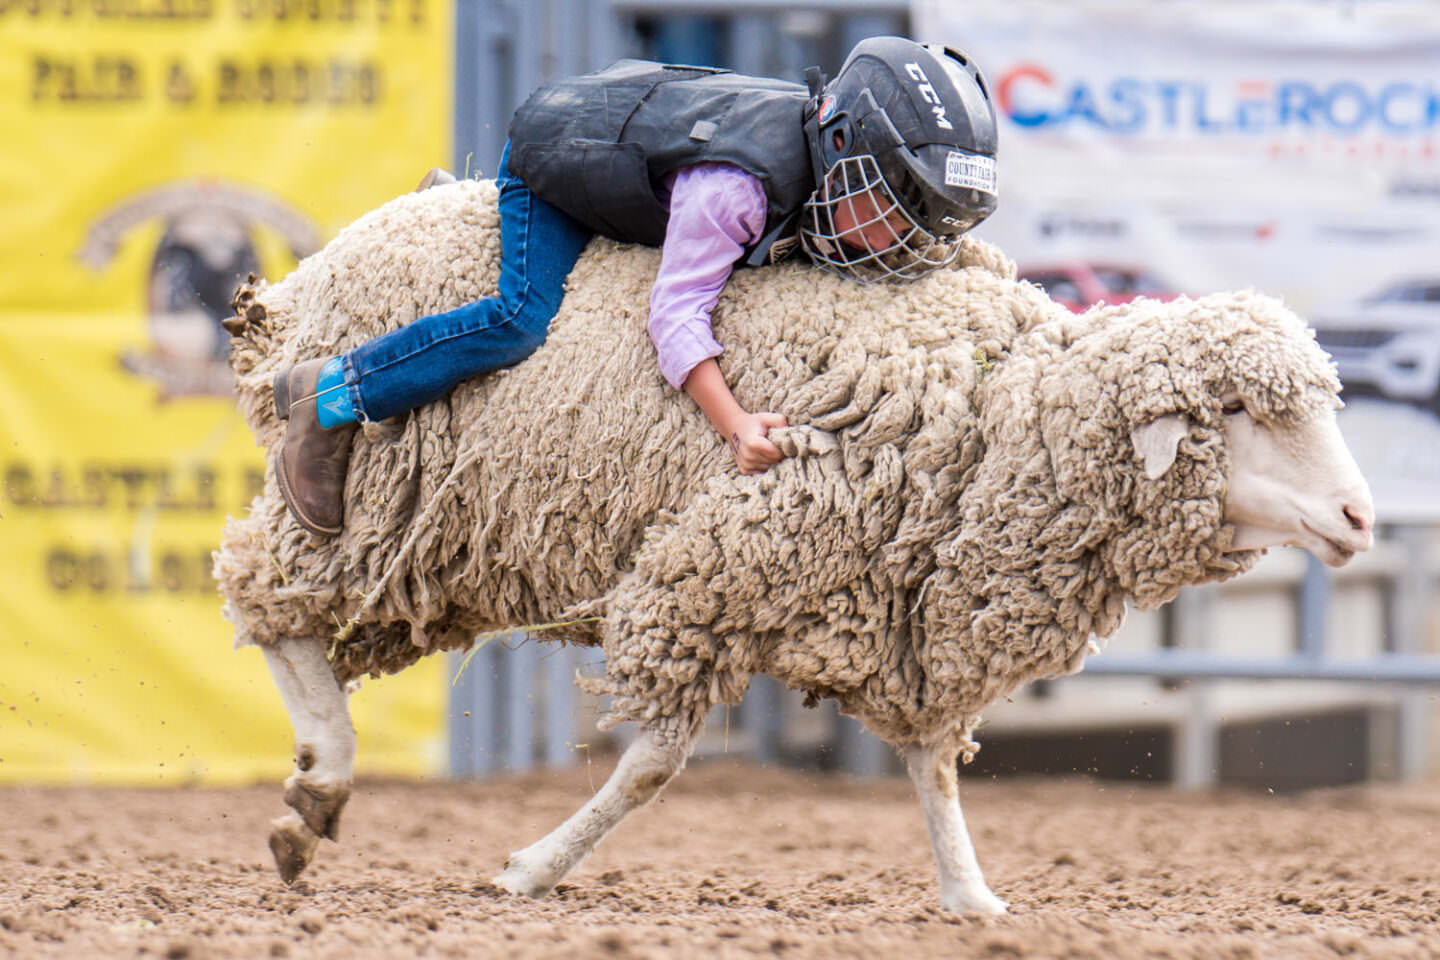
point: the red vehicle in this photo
(1080, 286)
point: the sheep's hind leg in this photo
(324, 751)
(651, 760)
(962, 887)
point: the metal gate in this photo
(515, 705)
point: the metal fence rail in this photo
(515, 707)
(1418, 669)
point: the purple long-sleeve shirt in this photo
(716, 211)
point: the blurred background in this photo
(159, 150)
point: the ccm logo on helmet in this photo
(928, 94)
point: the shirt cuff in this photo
(684, 350)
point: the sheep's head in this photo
(1226, 441)
(1272, 393)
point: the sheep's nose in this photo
(1361, 516)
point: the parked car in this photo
(1080, 286)
(1388, 343)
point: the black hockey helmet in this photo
(902, 146)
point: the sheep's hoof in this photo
(319, 806)
(247, 310)
(978, 901)
(293, 844)
(518, 879)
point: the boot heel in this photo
(280, 387)
(437, 177)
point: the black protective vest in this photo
(596, 145)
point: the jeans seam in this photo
(508, 321)
(352, 385)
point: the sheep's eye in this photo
(1230, 407)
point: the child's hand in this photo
(754, 453)
(745, 432)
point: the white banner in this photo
(1197, 146)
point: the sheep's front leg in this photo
(651, 760)
(962, 888)
(324, 751)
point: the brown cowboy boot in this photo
(311, 465)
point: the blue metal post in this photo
(1411, 598)
(559, 668)
(860, 751)
(1197, 752)
(1314, 610)
(458, 719)
(762, 717)
(519, 664)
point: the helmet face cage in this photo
(881, 240)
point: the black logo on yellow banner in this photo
(206, 248)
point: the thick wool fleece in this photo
(960, 508)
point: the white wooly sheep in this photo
(977, 482)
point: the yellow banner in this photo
(156, 150)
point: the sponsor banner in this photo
(1196, 146)
(158, 150)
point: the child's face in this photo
(860, 225)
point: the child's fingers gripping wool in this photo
(753, 449)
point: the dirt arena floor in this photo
(733, 861)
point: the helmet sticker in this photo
(973, 170)
(827, 109)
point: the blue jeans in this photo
(422, 361)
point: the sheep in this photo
(977, 484)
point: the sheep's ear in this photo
(1158, 441)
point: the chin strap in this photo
(815, 80)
